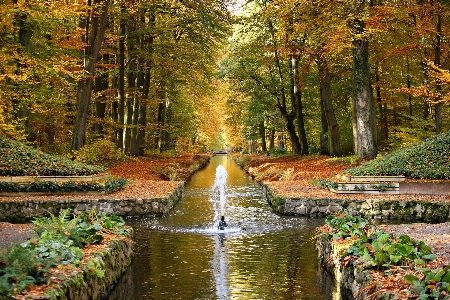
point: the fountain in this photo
(219, 261)
(260, 255)
(219, 197)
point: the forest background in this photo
(304, 76)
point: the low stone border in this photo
(372, 209)
(29, 179)
(22, 210)
(82, 283)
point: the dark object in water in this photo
(222, 223)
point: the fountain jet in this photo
(219, 198)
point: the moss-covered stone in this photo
(92, 280)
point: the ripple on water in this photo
(259, 255)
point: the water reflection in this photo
(220, 266)
(260, 255)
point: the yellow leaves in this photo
(428, 92)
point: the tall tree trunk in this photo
(408, 85)
(142, 118)
(121, 85)
(363, 97)
(262, 136)
(146, 43)
(383, 113)
(161, 125)
(281, 98)
(437, 62)
(101, 85)
(325, 94)
(132, 95)
(289, 122)
(97, 27)
(296, 95)
(272, 139)
(324, 141)
(24, 38)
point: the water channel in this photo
(260, 255)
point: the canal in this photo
(259, 255)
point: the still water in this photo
(260, 255)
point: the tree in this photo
(94, 24)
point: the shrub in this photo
(278, 152)
(18, 159)
(429, 159)
(60, 242)
(98, 151)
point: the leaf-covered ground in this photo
(287, 176)
(293, 177)
(148, 178)
(298, 183)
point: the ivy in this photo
(111, 185)
(22, 160)
(425, 160)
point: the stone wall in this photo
(84, 283)
(351, 280)
(22, 210)
(372, 209)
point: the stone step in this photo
(367, 188)
(352, 178)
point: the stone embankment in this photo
(351, 280)
(16, 210)
(409, 210)
(99, 271)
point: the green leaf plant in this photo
(434, 285)
(60, 242)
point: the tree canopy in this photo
(309, 76)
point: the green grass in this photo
(429, 159)
(18, 159)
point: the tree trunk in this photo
(272, 139)
(324, 142)
(363, 98)
(262, 135)
(281, 99)
(98, 26)
(298, 107)
(131, 97)
(161, 126)
(437, 62)
(289, 121)
(325, 94)
(101, 85)
(121, 87)
(383, 113)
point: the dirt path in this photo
(14, 233)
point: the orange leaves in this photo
(310, 168)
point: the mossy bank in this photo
(16, 210)
(409, 210)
